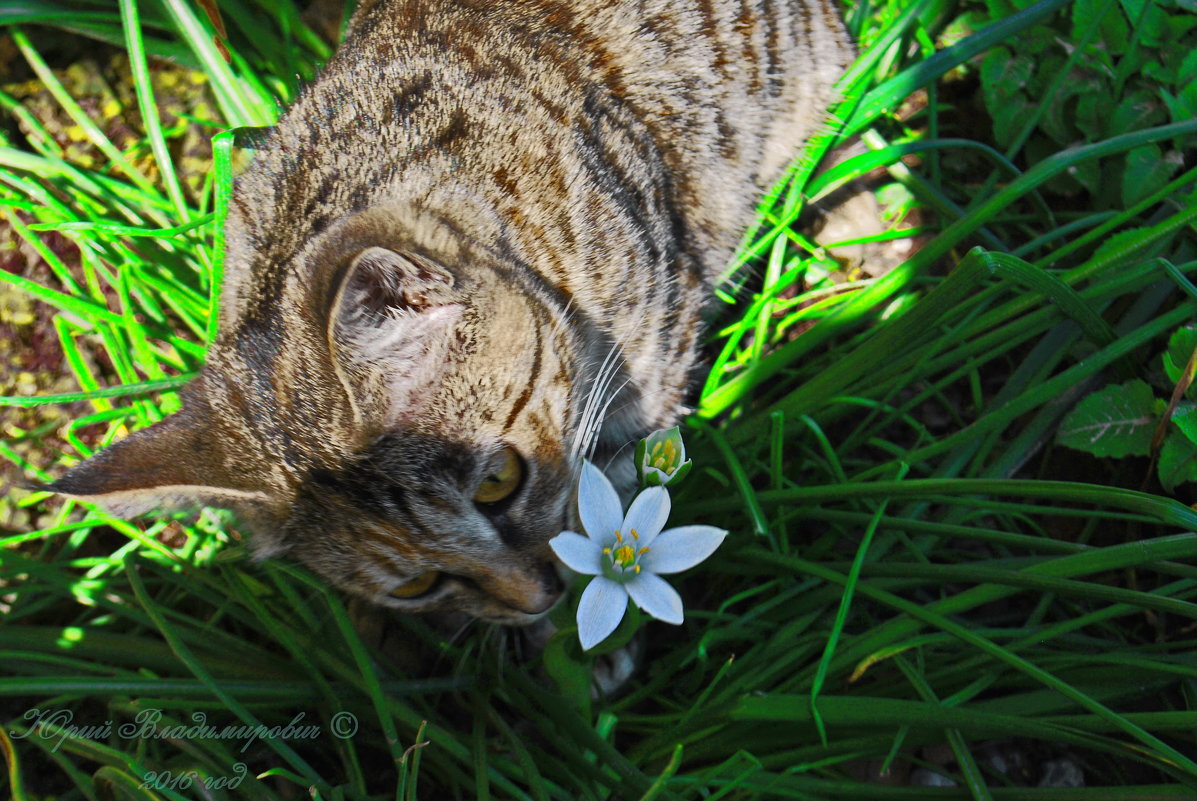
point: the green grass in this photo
(914, 566)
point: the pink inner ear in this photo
(382, 281)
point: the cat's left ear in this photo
(176, 463)
(393, 318)
(383, 283)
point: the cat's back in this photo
(729, 88)
(500, 94)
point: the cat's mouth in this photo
(518, 619)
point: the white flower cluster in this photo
(628, 553)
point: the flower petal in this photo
(655, 476)
(654, 595)
(600, 609)
(673, 435)
(580, 554)
(647, 514)
(680, 473)
(598, 505)
(681, 445)
(682, 548)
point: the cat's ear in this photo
(392, 316)
(384, 283)
(173, 464)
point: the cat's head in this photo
(395, 410)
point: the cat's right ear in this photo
(173, 464)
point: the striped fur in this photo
(488, 223)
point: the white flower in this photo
(627, 555)
(661, 458)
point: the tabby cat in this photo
(475, 250)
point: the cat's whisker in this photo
(452, 640)
(614, 457)
(459, 635)
(646, 396)
(614, 363)
(584, 426)
(598, 387)
(601, 418)
(599, 402)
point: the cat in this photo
(477, 248)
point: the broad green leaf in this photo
(1088, 175)
(1180, 348)
(1185, 418)
(1059, 120)
(1178, 461)
(1134, 112)
(1114, 28)
(1121, 247)
(1152, 21)
(1115, 421)
(1147, 169)
(1158, 70)
(1182, 106)
(1187, 72)
(1179, 24)
(1004, 78)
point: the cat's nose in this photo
(541, 596)
(542, 602)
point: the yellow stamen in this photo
(635, 536)
(625, 556)
(664, 456)
(637, 568)
(618, 536)
(606, 551)
(642, 551)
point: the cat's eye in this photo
(503, 480)
(417, 586)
